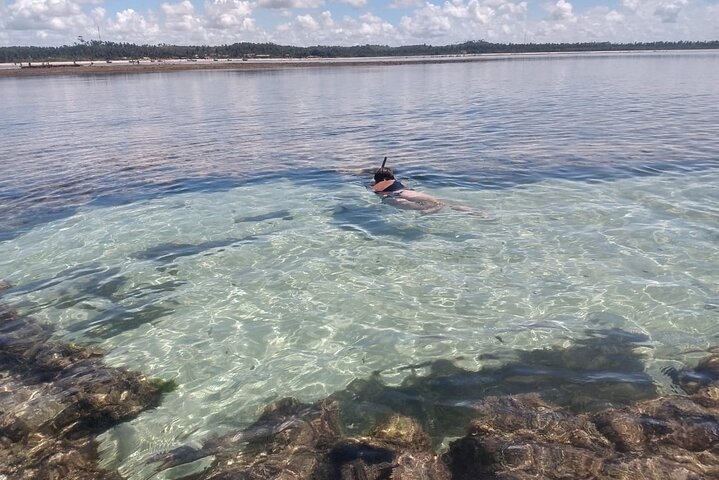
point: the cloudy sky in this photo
(352, 22)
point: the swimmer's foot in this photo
(471, 211)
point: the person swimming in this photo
(395, 193)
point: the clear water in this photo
(215, 228)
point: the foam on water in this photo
(279, 289)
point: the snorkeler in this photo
(397, 194)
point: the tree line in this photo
(101, 50)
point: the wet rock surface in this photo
(587, 411)
(292, 440)
(521, 435)
(600, 371)
(55, 398)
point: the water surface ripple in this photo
(214, 227)
(495, 124)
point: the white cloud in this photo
(562, 10)
(129, 25)
(471, 10)
(324, 29)
(56, 22)
(41, 15)
(614, 17)
(430, 22)
(178, 9)
(306, 22)
(669, 11)
(290, 3)
(228, 14)
(181, 18)
(514, 8)
(632, 5)
(326, 19)
(406, 3)
(353, 3)
(460, 20)
(372, 27)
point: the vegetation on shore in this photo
(100, 50)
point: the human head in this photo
(383, 173)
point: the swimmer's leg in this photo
(471, 211)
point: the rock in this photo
(292, 440)
(288, 441)
(524, 437)
(398, 449)
(55, 398)
(605, 369)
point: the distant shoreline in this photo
(147, 66)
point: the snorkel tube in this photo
(383, 162)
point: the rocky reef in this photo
(292, 440)
(524, 434)
(588, 411)
(55, 398)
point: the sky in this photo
(355, 22)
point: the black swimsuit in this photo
(394, 187)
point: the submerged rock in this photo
(520, 435)
(292, 440)
(584, 412)
(397, 449)
(55, 398)
(523, 437)
(605, 369)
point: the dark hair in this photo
(383, 173)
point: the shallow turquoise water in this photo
(252, 263)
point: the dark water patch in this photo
(499, 179)
(168, 252)
(602, 370)
(117, 319)
(55, 398)
(103, 296)
(279, 214)
(508, 436)
(72, 287)
(26, 212)
(23, 213)
(372, 222)
(90, 275)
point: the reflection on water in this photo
(215, 228)
(111, 140)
